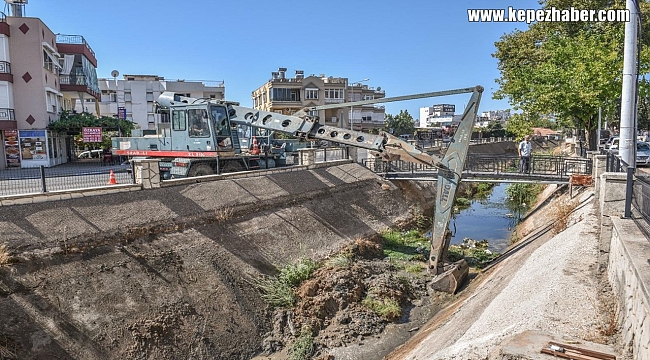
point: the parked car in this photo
(642, 151)
(94, 154)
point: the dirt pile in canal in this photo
(170, 273)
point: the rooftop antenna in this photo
(17, 7)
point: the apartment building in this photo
(439, 115)
(41, 74)
(288, 95)
(133, 97)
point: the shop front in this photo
(40, 148)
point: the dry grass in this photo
(5, 258)
(224, 214)
(561, 209)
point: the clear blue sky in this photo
(405, 47)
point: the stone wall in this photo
(628, 268)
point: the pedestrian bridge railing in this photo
(542, 167)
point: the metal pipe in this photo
(629, 186)
(627, 141)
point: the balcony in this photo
(5, 72)
(75, 44)
(77, 83)
(333, 101)
(7, 119)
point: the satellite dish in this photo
(378, 88)
(115, 73)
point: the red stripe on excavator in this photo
(157, 153)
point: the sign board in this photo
(445, 108)
(121, 112)
(92, 134)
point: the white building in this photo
(432, 116)
(133, 97)
(500, 115)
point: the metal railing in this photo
(73, 80)
(70, 176)
(5, 67)
(494, 166)
(7, 114)
(331, 154)
(73, 39)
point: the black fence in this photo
(639, 209)
(555, 167)
(69, 176)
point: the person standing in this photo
(525, 149)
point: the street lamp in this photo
(352, 98)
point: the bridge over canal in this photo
(491, 168)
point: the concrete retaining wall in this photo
(629, 275)
(628, 266)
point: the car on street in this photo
(91, 154)
(642, 151)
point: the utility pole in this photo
(627, 140)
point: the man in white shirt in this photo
(525, 148)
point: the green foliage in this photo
(476, 253)
(387, 308)
(340, 260)
(69, 122)
(521, 194)
(293, 275)
(278, 291)
(409, 246)
(303, 347)
(413, 268)
(569, 69)
(519, 126)
(400, 124)
(494, 129)
(463, 202)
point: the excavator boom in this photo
(304, 126)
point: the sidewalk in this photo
(78, 167)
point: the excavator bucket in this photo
(452, 278)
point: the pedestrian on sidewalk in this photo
(525, 149)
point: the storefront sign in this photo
(32, 145)
(92, 134)
(12, 150)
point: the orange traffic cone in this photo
(111, 179)
(256, 148)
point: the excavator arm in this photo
(303, 126)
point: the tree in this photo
(569, 69)
(519, 126)
(400, 124)
(73, 123)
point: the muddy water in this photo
(492, 219)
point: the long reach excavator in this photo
(203, 139)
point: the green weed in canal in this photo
(476, 253)
(407, 246)
(303, 347)
(387, 308)
(278, 291)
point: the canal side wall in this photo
(628, 268)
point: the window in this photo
(47, 61)
(198, 121)
(149, 96)
(127, 96)
(313, 112)
(368, 97)
(221, 127)
(112, 97)
(311, 94)
(333, 93)
(178, 120)
(285, 94)
(52, 101)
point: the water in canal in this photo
(492, 219)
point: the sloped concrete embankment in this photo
(165, 273)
